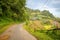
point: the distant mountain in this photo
(40, 14)
(47, 13)
(44, 16)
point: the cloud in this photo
(52, 5)
(58, 9)
(34, 4)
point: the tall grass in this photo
(39, 35)
(42, 34)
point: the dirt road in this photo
(17, 32)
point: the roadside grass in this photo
(5, 27)
(39, 35)
(42, 32)
(42, 36)
(4, 24)
(47, 27)
(55, 34)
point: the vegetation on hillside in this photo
(43, 25)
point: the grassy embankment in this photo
(44, 34)
(5, 23)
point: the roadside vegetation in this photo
(43, 25)
(11, 12)
(4, 24)
(42, 34)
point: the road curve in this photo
(18, 33)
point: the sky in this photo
(52, 5)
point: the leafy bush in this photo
(55, 34)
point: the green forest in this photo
(41, 24)
(11, 11)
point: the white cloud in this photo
(55, 1)
(51, 5)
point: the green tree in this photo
(47, 13)
(12, 9)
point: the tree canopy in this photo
(12, 9)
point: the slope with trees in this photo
(43, 25)
(11, 11)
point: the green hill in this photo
(43, 25)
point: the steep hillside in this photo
(43, 25)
